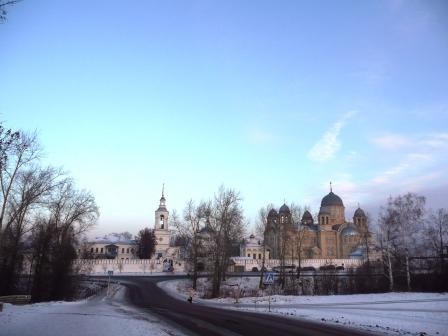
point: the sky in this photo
(274, 99)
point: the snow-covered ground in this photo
(384, 314)
(95, 316)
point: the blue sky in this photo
(272, 98)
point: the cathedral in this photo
(331, 237)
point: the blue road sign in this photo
(269, 278)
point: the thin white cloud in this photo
(398, 142)
(329, 144)
(436, 140)
(391, 141)
(411, 163)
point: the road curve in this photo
(196, 319)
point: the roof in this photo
(349, 231)
(307, 215)
(284, 209)
(272, 212)
(331, 200)
(336, 227)
(114, 242)
(359, 213)
(313, 227)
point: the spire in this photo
(162, 199)
(331, 188)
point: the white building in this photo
(122, 249)
(252, 247)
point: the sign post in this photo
(269, 280)
(109, 273)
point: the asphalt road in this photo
(196, 319)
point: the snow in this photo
(98, 315)
(384, 314)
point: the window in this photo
(248, 255)
(259, 255)
(127, 250)
(101, 250)
(96, 250)
(132, 250)
(255, 256)
(91, 250)
(122, 250)
(162, 221)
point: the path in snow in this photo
(92, 317)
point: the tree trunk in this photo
(391, 276)
(408, 273)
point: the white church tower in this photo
(161, 227)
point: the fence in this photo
(141, 266)
(248, 264)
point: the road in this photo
(196, 319)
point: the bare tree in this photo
(3, 5)
(17, 151)
(194, 217)
(260, 228)
(400, 222)
(28, 196)
(228, 224)
(70, 214)
(437, 233)
(296, 213)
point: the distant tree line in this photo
(43, 216)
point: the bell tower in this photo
(161, 231)
(161, 214)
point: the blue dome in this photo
(331, 199)
(272, 213)
(284, 209)
(359, 213)
(349, 231)
(307, 216)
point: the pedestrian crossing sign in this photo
(269, 278)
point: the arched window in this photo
(248, 255)
(162, 221)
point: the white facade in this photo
(108, 249)
(253, 247)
